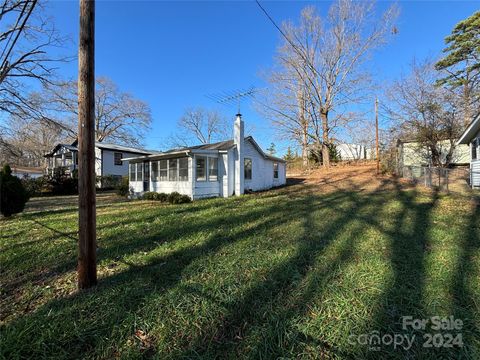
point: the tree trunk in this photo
(466, 99)
(305, 150)
(325, 139)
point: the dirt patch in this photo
(361, 177)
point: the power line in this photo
(300, 53)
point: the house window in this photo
(200, 168)
(118, 158)
(163, 170)
(132, 172)
(475, 143)
(172, 170)
(275, 170)
(247, 166)
(212, 169)
(183, 169)
(139, 171)
(154, 170)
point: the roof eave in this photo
(470, 132)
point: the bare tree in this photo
(428, 114)
(27, 39)
(199, 125)
(325, 55)
(28, 134)
(119, 117)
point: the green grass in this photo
(289, 273)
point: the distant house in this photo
(353, 152)
(471, 139)
(222, 169)
(108, 158)
(412, 153)
(27, 172)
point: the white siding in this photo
(98, 162)
(475, 164)
(206, 189)
(108, 162)
(182, 187)
(475, 173)
(262, 170)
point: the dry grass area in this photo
(363, 177)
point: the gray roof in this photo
(218, 146)
(108, 146)
(102, 145)
(221, 145)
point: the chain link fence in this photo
(443, 179)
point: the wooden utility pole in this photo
(377, 150)
(87, 245)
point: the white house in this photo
(108, 158)
(27, 172)
(412, 153)
(223, 169)
(354, 152)
(471, 137)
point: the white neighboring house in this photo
(354, 152)
(222, 169)
(471, 137)
(108, 158)
(27, 172)
(412, 153)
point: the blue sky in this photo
(172, 54)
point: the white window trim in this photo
(114, 160)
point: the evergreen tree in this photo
(462, 61)
(271, 149)
(289, 155)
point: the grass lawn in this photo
(297, 272)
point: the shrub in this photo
(109, 182)
(177, 198)
(123, 188)
(13, 195)
(150, 195)
(163, 197)
(34, 186)
(61, 184)
(172, 198)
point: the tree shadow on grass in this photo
(409, 244)
(260, 324)
(466, 288)
(101, 312)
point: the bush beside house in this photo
(172, 198)
(13, 195)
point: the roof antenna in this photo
(232, 98)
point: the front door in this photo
(146, 176)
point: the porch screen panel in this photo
(139, 171)
(212, 169)
(172, 170)
(201, 168)
(154, 170)
(132, 172)
(163, 170)
(183, 169)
